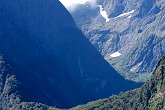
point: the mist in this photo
(71, 5)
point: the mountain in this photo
(46, 59)
(133, 35)
(150, 96)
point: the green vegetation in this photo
(34, 106)
(149, 97)
(9, 99)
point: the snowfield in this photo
(126, 14)
(104, 13)
(115, 54)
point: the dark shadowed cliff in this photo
(49, 60)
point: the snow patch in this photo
(129, 16)
(104, 13)
(115, 54)
(126, 14)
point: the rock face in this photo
(149, 97)
(50, 58)
(135, 30)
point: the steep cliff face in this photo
(50, 58)
(149, 97)
(135, 30)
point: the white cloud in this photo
(71, 4)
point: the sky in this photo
(71, 4)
